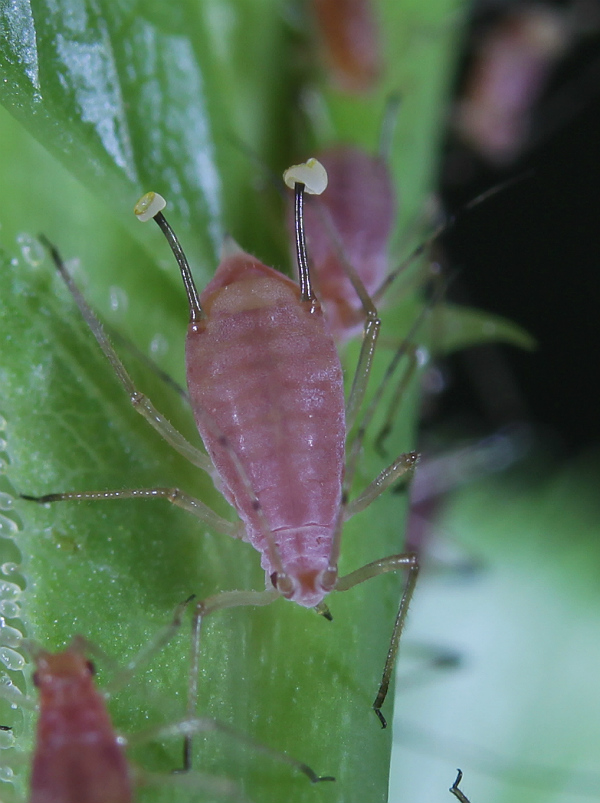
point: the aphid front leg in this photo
(140, 402)
(172, 495)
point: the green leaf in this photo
(455, 327)
(131, 98)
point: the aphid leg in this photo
(397, 396)
(390, 564)
(191, 726)
(124, 674)
(140, 402)
(211, 787)
(402, 467)
(225, 599)
(173, 495)
(456, 791)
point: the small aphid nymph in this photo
(78, 758)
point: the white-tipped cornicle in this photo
(149, 206)
(310, 173)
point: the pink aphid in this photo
(266, 388)
(78, 757)
(257, 340)
(349, 39)
(349, 228)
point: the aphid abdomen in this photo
(353, 218)
(77, 758)
(264, 367)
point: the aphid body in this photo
(257, 340)
(78, 758)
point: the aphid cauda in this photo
(265, 383)
(78, 756)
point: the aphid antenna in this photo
(149, 206)
(306, 291)
(458, 793)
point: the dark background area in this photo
(532, 254)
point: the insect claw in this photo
(320, 778)
(381, 718)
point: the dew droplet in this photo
(14, 262)
(31, 248)
(9, 590)
(9, 568)
(9, 636)
(6, 501)
(3, 465)
(3, 444)
(159, 345)
(7, 739)
(2, 422)
(10, 609)
(7, 527)
(6, 774)
(11, 659)
(118, 299)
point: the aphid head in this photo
(62, 669)
(306, 585)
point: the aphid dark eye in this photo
(274, 579)
(91, 668)
(36, 679)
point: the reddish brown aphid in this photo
(78, 758)
(348, 35)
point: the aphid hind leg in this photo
(392, 563)
(172, 495)
(191, 726)
(140, 402)
(454, 789)
(222, 600)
